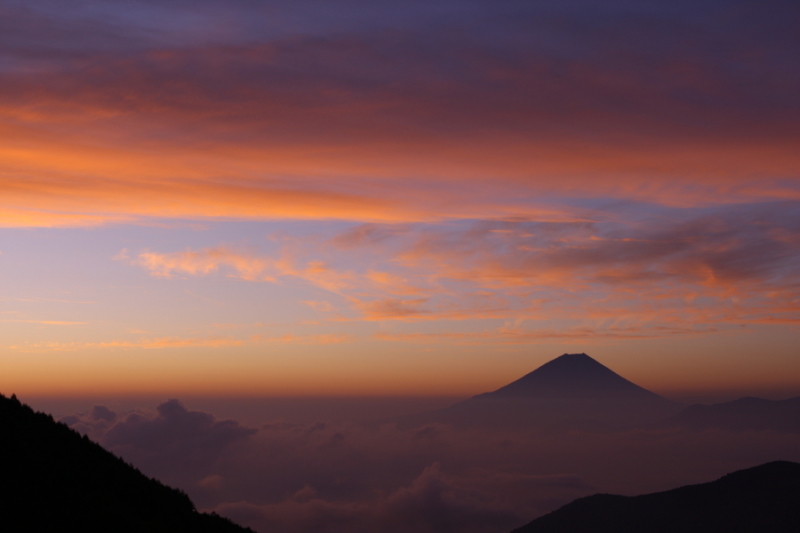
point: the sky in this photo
(344, 198)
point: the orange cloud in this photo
(577, 335)
(320, 125)
(46, 322)
(78, 146)
(146, 344)
(323, 306)
(727, 267)
(393, 284)
(393, 308)
(303, 339)
(69, 183)
(204, 262)
(246, 266)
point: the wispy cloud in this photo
(243, 264)
(146, 344)
(200, 262)
(302, 339)
(56, 300)
(589, 334)
(46, 322)
(159, 343)
(619, 278)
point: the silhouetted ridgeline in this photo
(53, 479)
(757, 500)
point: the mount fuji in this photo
(570, 392)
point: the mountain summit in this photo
(572, 376)
(570, 392)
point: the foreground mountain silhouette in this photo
(762, 499)
(744, 414)
(53, 479)
(570, 392)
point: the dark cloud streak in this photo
(715, 71)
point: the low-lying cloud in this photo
(351, 478)
(432, 502)
(173, 438)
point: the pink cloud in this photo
(107, 122)
(206, 261)
(609, 278)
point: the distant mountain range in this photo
(53, 479)
(570, 392)
(744, 414)
(764, 499)
(575, 392)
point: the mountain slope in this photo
(572, 391)
(744, 414)
(573, 376)
(756, 500)
(53, 479)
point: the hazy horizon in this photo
(347, 464)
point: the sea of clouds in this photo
(290, 477)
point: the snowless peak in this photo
(573, 375)
(570, 392)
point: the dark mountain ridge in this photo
(762, 499)
(54, 479)
(570, 392)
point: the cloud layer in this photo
(289, 478)
(230, 110)
(684, 271)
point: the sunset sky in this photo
(345, 198)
